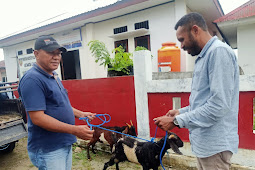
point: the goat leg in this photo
(92, 148)
(88, 155)
(117, 166)
(155, 168)
(146, 167)
(110, 163)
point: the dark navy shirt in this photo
(41, 91)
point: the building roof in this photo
(244, 11)
(77, 21)
(2, 64)
(211, 10)
(227, 24)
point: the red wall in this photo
(160, 103)
(245, 124)
(115, 96)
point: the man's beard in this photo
(194, 47)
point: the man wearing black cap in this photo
(51, 123)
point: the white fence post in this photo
(142, 74)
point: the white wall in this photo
(161, 28)
(245, 42)
(10, 54)
(161, 19)
(89, 68)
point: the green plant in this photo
(253, 123)
(121, 62)
(100, 52)
(139, 48)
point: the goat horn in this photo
(131, 123)
(129, 126)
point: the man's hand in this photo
(172, 113)
(164, 122)
(90, 115)
(83, 132)
(79, 113)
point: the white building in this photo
(238, 29)
(147, 23)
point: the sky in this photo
(20, 15)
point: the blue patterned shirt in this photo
(212, 116)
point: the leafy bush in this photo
(100, 52)
(139, 48)
(253, 123)
(121, 62)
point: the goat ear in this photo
(125, 130)
(129, 126)
(174, 147)
(131, 123)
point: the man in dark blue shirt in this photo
(51, 123)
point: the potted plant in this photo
(120, 64)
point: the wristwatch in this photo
(175, 122)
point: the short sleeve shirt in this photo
(41, 91)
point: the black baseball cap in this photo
(49, 44)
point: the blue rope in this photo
(160, 158)
(106, 121)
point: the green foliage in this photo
(253, 123)
(121, 61)
(138, 48)
(100, 52)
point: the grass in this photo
(253, 114)
(80, 161)
(253, 122)
(80, 158)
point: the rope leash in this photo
(109, 119)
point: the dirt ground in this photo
(19, 160)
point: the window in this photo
(176, 103)
(120, 30)
(143, 41)
(144, 24)
(20, 52)
(29, 50)
(123, 43)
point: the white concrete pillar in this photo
(87, 36)
(142, 74)
(180, 11)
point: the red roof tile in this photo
(244, 11)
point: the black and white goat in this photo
(145, 153)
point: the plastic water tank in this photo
(169, 58)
